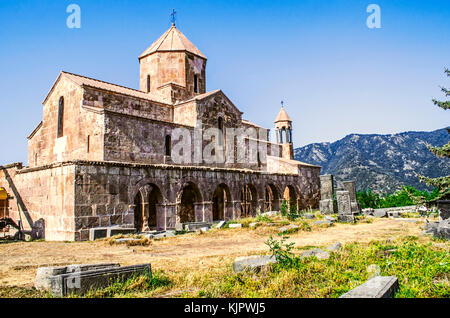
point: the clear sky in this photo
(335, 74)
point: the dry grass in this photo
(191, 261)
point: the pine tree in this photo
(441, 183)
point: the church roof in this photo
(282, 116)
(87, 81)
(172, 40)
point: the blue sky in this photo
(335, 74)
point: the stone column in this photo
(206, 213)
(326, 194)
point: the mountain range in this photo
(382, 163)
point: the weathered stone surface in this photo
(105, 232)
(253, 225)
(350, 186)
(443, 229)
(326, 187)
(346, 218)
(329, 218)
(379, 213)
(289, 228)
(326, 206)
(81, 282)
(320, 254)
(234, 225)
(343, 202)
(444, 209)
(309, 216)
(255, 263)
(194, 226)
(322, 222)
(335, 247)
(165, 234)
(44, 274)
(377, 287)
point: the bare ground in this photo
(190, 252)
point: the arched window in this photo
(195, 83)
(168, 145)
(61, 117)
(220, 127)
(148, 83)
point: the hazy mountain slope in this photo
(380, 162)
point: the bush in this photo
(370, 199)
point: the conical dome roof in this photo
(282, 116)
(172, 40)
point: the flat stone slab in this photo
(220, 225)
(45, 274)
(320, 222)
(346, 218)
(234, 225)
(269, 213)
(330, 218)
(253, 225)
(255, 263)
(335, 247)
(289, 228)
(82, 282)
(194, 226)
(164, 235)
(309, 216)
(317, 252)
(105, 232)
(377, 287)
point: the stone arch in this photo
(148, 208)
(291, 197)
(221, 203)
(189, 203)
(271, 198)
(249, 200)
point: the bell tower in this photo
(173, 67)
(283, 129)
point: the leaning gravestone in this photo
(350, 186)
(377, 287)
(326, 204)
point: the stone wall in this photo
(42, 193)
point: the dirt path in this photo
(19, 261)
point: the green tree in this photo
(441, 183)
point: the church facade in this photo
(166, 154)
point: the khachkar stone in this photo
(326, 194)
(350, 186)
(344, 206)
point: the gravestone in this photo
(82, 282)
(255, 263)
(326, 204)
(350, 186)
(377, 287)
(45, 274)
(344, 206)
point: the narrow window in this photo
(88, 143)
(220, 127)
(60, 116)
(148, 83)
(259, 161)
(168, 145)
(35, 159)
(195, 83)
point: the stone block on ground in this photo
(253, 225)
(326, 206)
(335, 247)
(317, 252)
(270, 213)
(194, 226)
(380, 213)
(443, 229)
(309, 216)
(376, 287)
(323, 222)
(44, 274)
(289, 228)
(255, 263)
(346, 218)
(105, 232)
(164, 234)
(220, 225)
(235, 225)
(82, 282)
(329, 218)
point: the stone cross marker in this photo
(350, 186)
(326, 194)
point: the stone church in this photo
(104, 155)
